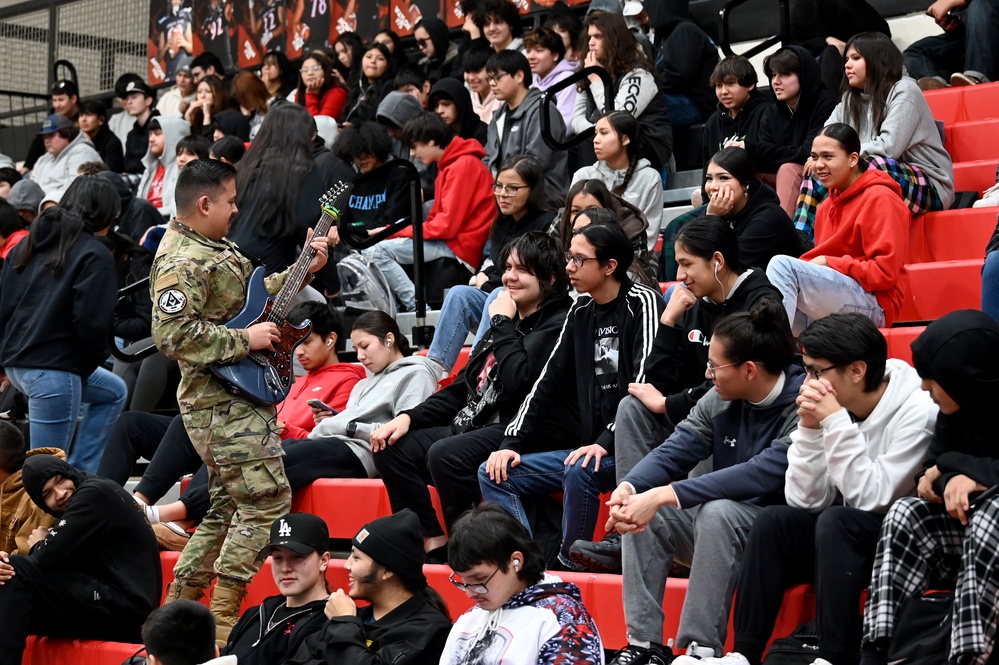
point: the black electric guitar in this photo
(264, 377)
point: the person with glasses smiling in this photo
(745, 424)
(864, 430)
(522, 615)
(515, 128)
(603, 346)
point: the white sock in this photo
(645, 644)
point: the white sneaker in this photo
(733, 658)
(698, 655)
(821, 661)
(990, 197)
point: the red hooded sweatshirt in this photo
(464, 205)
(863, 232)
(332, 384)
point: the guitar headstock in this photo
(332, 202)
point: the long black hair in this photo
(380, 324)
(53, 220)
(884, 69)
(270, 175)
(624, 124)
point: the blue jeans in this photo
(55, 401)
(990, 285)
(540, 474)
(389, 254)
(969, 47)
(811, 292)
(682, 112)
(460, 314)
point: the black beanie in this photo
(396, 543)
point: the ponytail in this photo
(761, 334)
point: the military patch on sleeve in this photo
(172, 301)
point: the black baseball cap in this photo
(65, 87)
(139, 86)
(302, 533)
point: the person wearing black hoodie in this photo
(443, 440)
(94, 575)
(740, 105)
(137, 215)
(685, 58)
(451, 101)
(406, 622)
(787, 128)
(275, 630)
(948, 532)
(440, 54)
(715, 284)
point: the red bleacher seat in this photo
(973, 140)
(951, 235)
(900, 341)
(975, 176)
(977, 102)
(934, 289)
(347, 504)
(52, 651)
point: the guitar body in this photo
(263, 377)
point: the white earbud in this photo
(516, 565)
(717, 266)
(388, 342)
(329, 343)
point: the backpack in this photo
(362, 285)
(922, 630)
(799, 648)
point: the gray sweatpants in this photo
(710, 539)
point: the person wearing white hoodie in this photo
(864, 430)
(160, 177)
(616, 145)
(182, 633)
(66, 147)
(522, 615)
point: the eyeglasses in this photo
(714, 368)
(497, 78)
(507, 190)
(817, 373)
(309, 70)
(577, 259)
(479, 588)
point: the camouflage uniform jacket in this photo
(196, 285)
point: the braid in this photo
(620, 189)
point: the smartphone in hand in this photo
(322, 406)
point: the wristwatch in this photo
(498, 319)
(351, 429)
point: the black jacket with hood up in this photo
(444, 62)
(960, 351)
(472, 126)
(686, 59)
(58, 321)
(252, 643)
(785, 135)
(680, 353)
(101, 535)
(137, 215)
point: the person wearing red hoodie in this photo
(463, 210)
(861, 240)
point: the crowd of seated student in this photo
(729, 314)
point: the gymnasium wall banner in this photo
(240, 32)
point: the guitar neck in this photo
(300, 270)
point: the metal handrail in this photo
(141, 349)
(548, 101)
(784, 12)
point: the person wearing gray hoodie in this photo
(66, 148)
(160, 177)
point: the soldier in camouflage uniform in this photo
(198, 283)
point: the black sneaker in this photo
(636, 655)
(603, 556)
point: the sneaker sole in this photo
(601, 565)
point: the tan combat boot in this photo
(177, 590)
(225, 606)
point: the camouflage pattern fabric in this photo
(196, 285)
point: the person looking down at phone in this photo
(937, 536)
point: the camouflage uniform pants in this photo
(248, 490)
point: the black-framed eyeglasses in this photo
(713, 368)
(478, 587)
(507, 190)
(497, 78)
(817, 373)
(577, 259)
